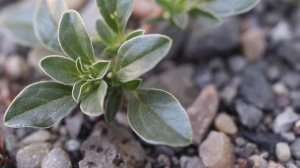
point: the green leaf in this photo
(40, 105)
(116, 13)
(106, 34)
(132, 85)
(100, 69)
(172, 6)
(61, 69)
(17, 22)
(158, 118)
(93, 103)
(80, 89)
(74, 39)
(46, 22)
(113, 103)
(230, 7)
(135, 33)
(205, 17)
(181, 20)
(140, 54)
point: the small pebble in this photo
(57, 158)
(16, 67)
(164, 160)
(283, 151)
(72, 145)
(295, 148)
(225, 123)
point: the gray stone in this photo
(72, 145)
(34, 57)
(203, 111)
(284, 121)
(164, 160)
(295, 149)
(249, 115)
(255, 89)
(110, 146)
(191, 162)
(259, 161)
(283, 151)
(289, 51)
(32, 155)
(16, 67)
(38, 136)
(281, 32)
(214, 41)
(237, 63)
(73, 124)
(182, 89)
(57, 158)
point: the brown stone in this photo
(217, 151)
(254, 44)
(203, 111)
(225, 123)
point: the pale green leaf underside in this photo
(61, 69)
(158, 118)
(46, 22)
(74, 39)
(17, 22)
(40, 105)
(140, 54)
(93, 103)
(230, 7)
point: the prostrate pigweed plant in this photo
(95, 84)
(209, 12)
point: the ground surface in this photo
(240, 83)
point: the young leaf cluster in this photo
(95, 84)
(181, 12)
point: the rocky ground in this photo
(240, 83)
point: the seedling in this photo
(209, 12)
(96, 82)
(97, 85)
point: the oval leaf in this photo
(113, 104)
(230, 7)
(106, 34)
(74, 39)
(46, 22)
(158, 118)
(93, 103)
(139, 55)
(116, 12)
(17, 22)
(40, 105)
(61, 69)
